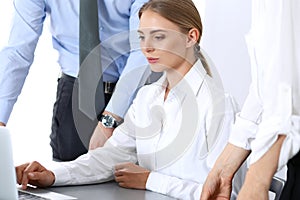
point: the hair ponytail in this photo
(199, 54)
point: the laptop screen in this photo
(8, 183)
(8, 188)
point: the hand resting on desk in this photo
(130, 175)
(35, 174)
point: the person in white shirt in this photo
(175, 128)
(269, 122)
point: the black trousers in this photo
(291, 190)
(68, 141)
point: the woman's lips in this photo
(152, 60)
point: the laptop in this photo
(9, 190)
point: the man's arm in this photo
(17, 57)
(219, 180)
(136, 70)
(260, 173)
(101, 133)
(134, 76)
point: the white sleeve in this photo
(247, 121)
(278, 46)
(96, 166)
(173, 186)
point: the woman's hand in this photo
(35, 174)
(129, 175)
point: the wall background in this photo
(225, 24)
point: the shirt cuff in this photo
(243, 132)
(291, 144)
(268, 135)
(62, 175)
(157, 182)
(6, 109)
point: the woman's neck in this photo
(174, 75)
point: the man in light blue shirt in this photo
(116, 18)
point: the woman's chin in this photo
(157, 68)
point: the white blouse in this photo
(273, 104)
(177, 139)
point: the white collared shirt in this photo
(177, 139)
(273, 104)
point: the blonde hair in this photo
(184, 14)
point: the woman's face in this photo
(162, 42)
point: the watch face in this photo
(108, 121)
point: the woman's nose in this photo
(149, 49)
(147, 46)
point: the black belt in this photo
(108, 87)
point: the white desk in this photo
(108, 191)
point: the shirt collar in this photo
(192, 81)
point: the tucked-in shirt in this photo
(178, 139)
(116, 18)
(273, 104)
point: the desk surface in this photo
(108, 191)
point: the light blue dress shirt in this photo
(117, 17)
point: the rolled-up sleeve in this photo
(247, 121)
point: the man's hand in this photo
(35, 174)
(129, 175)
(2, 124)
(218, 184)
(100, 135)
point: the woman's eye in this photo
(159, 37)
(141, 37)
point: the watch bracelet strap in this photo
(116, 123)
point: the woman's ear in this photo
(192, 37)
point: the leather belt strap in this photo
(108, 87)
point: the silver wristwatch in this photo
(109, 121)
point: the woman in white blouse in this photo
(176, 127)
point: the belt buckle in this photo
(107, 88)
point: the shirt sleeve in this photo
(97, 165)
(247, 121)
(17, 56)
(272, 107)
(136, 70)
(282, 86)
(173, 186)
